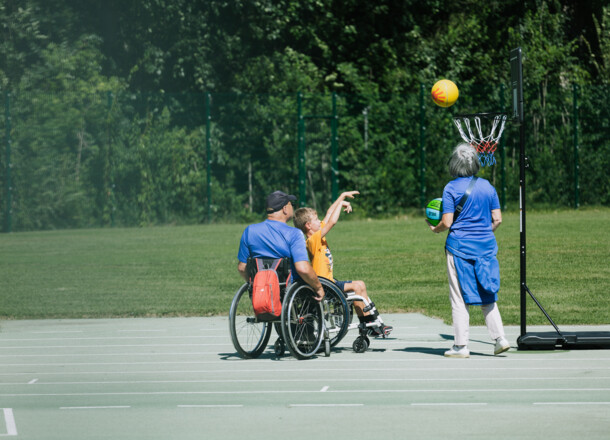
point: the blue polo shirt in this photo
(273, 239)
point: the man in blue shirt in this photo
(273, 238)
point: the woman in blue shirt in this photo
(471, 248)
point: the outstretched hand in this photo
(347, 207)
(349, 194)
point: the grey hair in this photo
(464, 161)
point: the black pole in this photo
(503, 155)
(208, 156)
(576, 147)
(422, 147)
(8, 214)
(522, 166)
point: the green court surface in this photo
(180, 378)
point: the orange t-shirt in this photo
(319, 254)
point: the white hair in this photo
(464, 161)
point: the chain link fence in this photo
(102, 160)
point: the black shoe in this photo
(381, 331)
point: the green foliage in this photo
(108, 107)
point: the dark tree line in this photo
(107, 100)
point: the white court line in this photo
(264, 370)
(448, 404)
(571, 403)
(111, 346)
(314, 405)
(300, 379)
(210, 406)
(99, 338)
(406, 391)
(57, 331)
(9, 420)
(94, 407)
(386, 360)
(145, 331)
(296, 370)
(36, 347)
(102, 355)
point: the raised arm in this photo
(338, 202)
(333, 213)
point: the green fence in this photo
(74, 161)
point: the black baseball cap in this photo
(277, 200)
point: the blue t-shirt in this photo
(475, 220)
(272, 239)
(472, 241)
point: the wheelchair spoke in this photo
(249, 335)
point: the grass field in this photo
(191, 270)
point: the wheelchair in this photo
(302, 326)
(339, 313)
(305, 325)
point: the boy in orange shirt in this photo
(306, 219)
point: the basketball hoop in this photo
(485, 145)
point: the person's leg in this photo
(368, 316)
(493, 320)
(459, 309)
(359, 288)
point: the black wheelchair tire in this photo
(339, 308)
(302, 321)
(244, 328)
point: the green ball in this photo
(434, 210)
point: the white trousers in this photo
(460, 310)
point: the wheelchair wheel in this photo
(336, 311)
(361, 344)
(249, 336)
(279, 347)
(302, 321)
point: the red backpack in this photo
(266, 291)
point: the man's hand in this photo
(347, 206)
(241, 268)
(308, 275)
(319, 296)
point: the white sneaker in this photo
(502, 345)
(458, 352)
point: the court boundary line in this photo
(393, 391)
(9, 420)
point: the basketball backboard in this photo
(516, 84)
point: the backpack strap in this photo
(460, 206)
(280, 265)
(276, 264)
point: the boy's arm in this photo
(333, 213)
(337, 203)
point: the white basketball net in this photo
(485, 145)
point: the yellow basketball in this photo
(445, 93)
